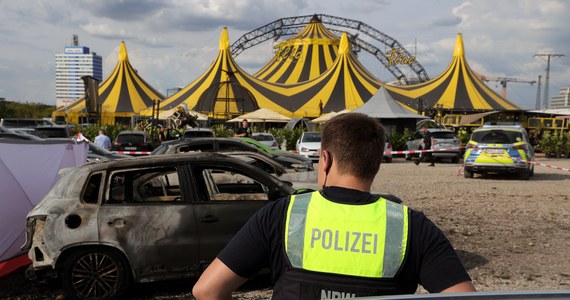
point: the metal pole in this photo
(537, 106)
(546, 102)
(546, 81)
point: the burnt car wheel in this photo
(95, 274)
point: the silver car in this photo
(105, 225)
(267, 139)
(444, 139)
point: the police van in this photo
(499, 148)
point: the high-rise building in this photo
(75, 62)
(562, 100)
(172, 91)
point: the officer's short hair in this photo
(356, 143)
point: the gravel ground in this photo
(511, 234)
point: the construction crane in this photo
(503, 81)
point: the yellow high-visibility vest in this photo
(365, 240)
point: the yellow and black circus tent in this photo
(303, 57)
(456, 89)
(218, 92)
(122, 95)
(345, 85)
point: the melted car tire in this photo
(95, 274)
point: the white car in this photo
(309, 145)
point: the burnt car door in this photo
(147, 213)
(229, 195)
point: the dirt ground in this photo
(511, 234)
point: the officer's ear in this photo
(327, 159)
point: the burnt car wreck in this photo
(106, 225)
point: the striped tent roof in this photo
(123, 94)
(456, 89)
(345, 85)
(218, 92)
(303, 57)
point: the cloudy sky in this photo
(172, 42)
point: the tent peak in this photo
(459, 51)
(315, 19)
(224, 40)
(123, 56)
(344, 46)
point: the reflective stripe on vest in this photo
(330, 237)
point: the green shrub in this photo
(398, 140)
(552, 143)
(222, 131)
(463, 136)
(289, 136)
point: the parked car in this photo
(499, 149)
(284, 153)
(6, 133)
(24, 123)
(227, 145)
(267, 139)
(259, 160)
(388, 148)
(55, 131)
(198, 132)
(309, 145)
(133, 141)
(103, 226)
(96, 153)
(443, 139)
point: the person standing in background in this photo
(428, 142)
(103, 140)
(244, 130)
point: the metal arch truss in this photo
(292, 25)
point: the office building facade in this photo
(75, 62)
(562, 100)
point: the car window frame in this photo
(196, 169)
(185, 178)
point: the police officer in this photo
(341, 241)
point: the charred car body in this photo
(206, 144)
(105, 225)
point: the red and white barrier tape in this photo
(460, 170)
(132, 152)
(545, 165)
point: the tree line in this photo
(10, 109)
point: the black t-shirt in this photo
(431, 260)
(427, 139)
(242, 130)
